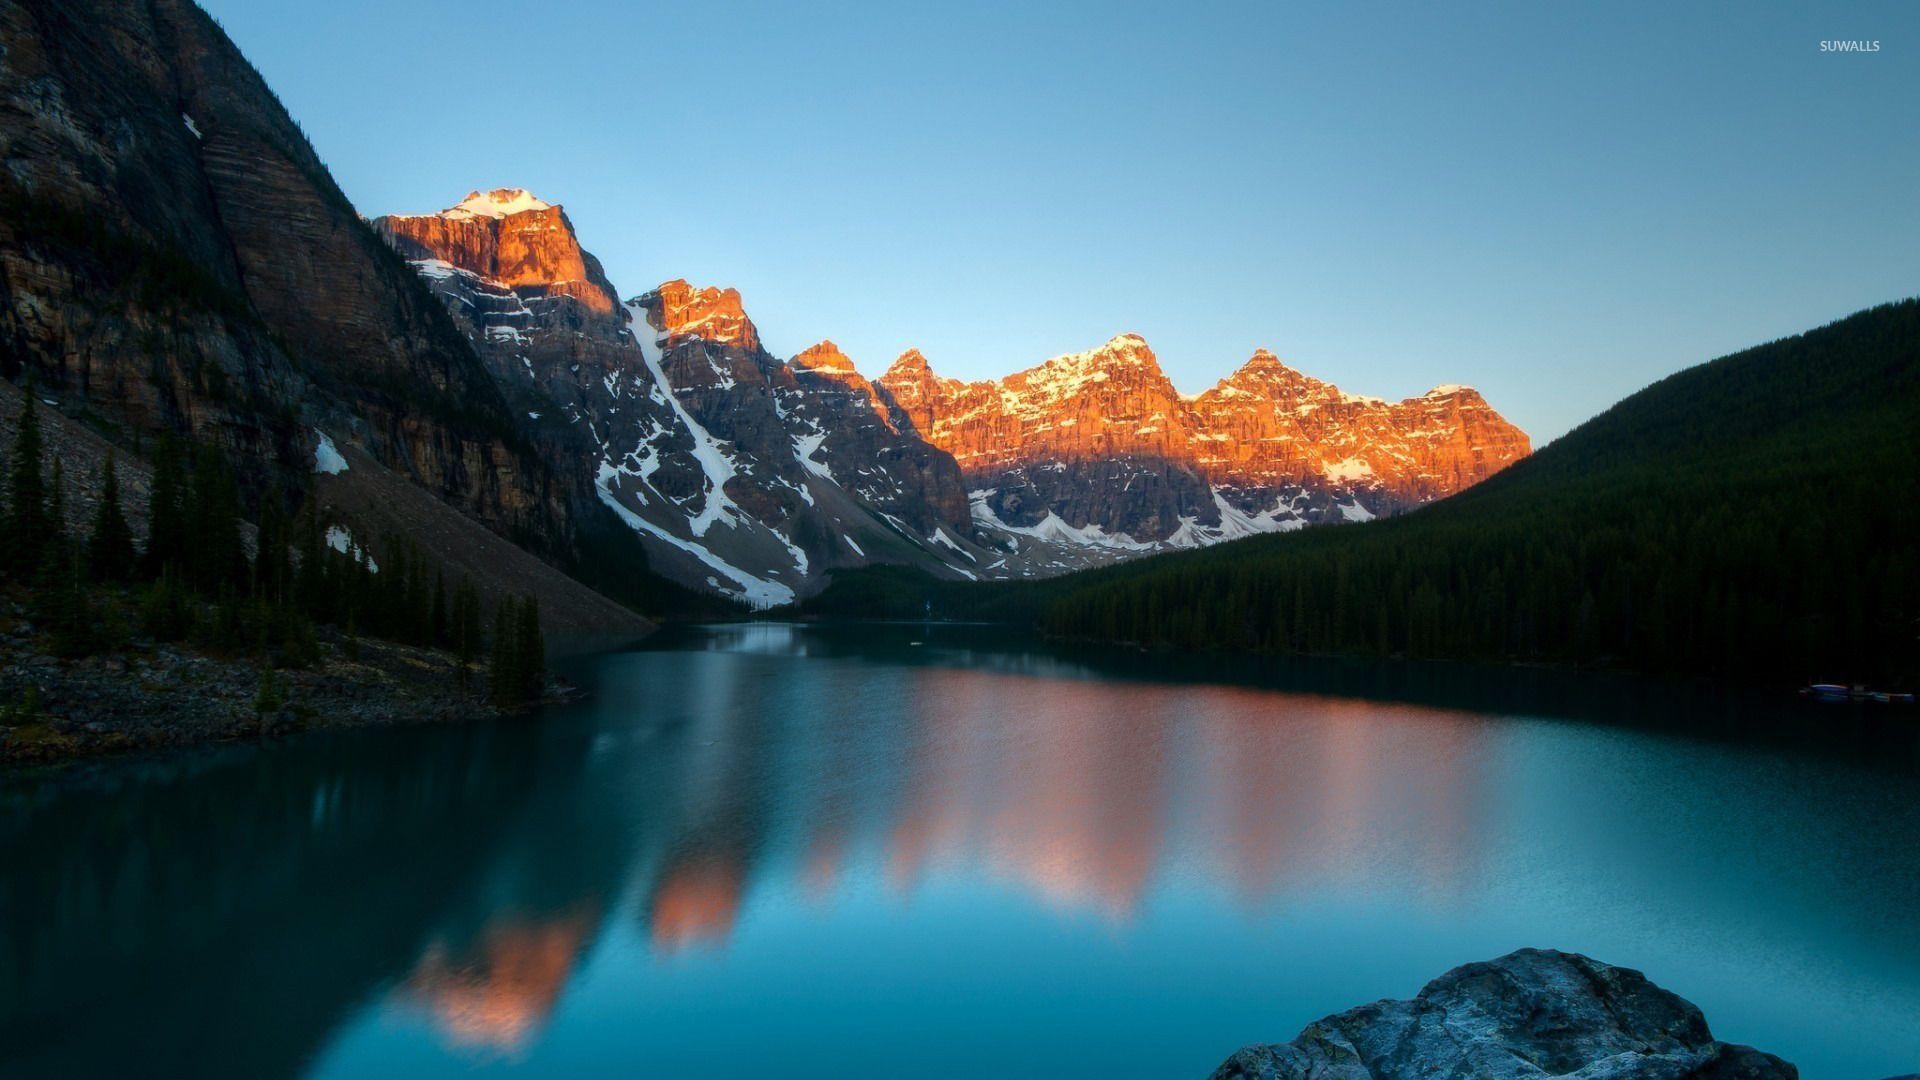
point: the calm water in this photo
(768, 851)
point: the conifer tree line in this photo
(194, 580)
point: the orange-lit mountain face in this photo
(709, 314)
(741, 473)
(1101, 441)
(509, 236)
(756, 477)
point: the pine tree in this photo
(502, 678)
(110, 554)
(56, 541)
(310, 589)
(168, 613)
(272, 694)
(61, 604)
(169, 532)
(215, 556)
(271, 572)
(530, 649)
(438, 632)
(299, 646)
(466, 626)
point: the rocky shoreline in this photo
(154, 696)
(1528, 1015)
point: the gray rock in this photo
(1528, 1015)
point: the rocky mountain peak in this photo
(1124, 360)
(508, 236)
(1261, 362)
(1125, 348)
(911, 390)
(824, 358)
(1266, 375)
(909, 364)
(710, 314)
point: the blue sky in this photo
(1555, 203)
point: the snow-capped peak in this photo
(1122, 350)
(1449, 389)
(498, 203)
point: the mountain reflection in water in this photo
(764, 846)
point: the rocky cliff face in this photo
(708, 314)
(755, 476)
(801, 470)
(1268, 427)
(1101, 446)
(1529, 1015)
(1098, 442)
(173, 255)
(539, 312)
(853, 436)
(509, 236)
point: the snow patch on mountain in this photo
(326, 456)
(715, 462)
(498, 203)
(758, 593)
(1346, 470)
(805, 445)
(1051, 528)
(342, 541)
(1236, 523)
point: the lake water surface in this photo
(762, 850)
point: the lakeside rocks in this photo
(1530, 1014)
(151, 696)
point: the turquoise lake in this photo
(763, 849)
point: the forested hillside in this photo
(1751, 516)
(1755, 516)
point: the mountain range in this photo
(757, 476)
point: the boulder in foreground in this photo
(1529, 1014)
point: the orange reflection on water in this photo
(1080, 792)
(1300, 788)
(698, 900)
(499, 994)
(1082, 795)
(1037, 782)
